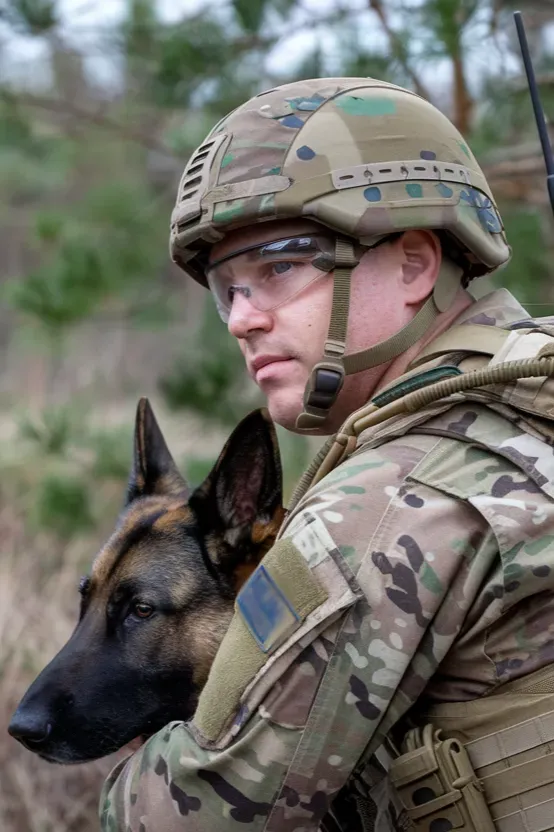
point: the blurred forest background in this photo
(101, 102)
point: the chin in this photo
(284, 408)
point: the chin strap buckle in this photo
(324, 385)
(327, 377)
(326, 380)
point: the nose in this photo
(244, 318)
(31, 727)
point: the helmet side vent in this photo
(195, 181)
(196, 174)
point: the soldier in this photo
(338, 223)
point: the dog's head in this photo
(159, 597)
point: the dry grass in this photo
(38, 606)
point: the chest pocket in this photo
(279, 612)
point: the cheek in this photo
(304, 321)
(374, 313)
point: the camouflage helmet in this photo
(360, 156)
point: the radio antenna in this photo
(537, 107)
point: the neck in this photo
(398, 366)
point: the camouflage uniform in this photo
(418, 544)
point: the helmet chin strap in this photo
(327, 376)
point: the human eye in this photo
(283, 267)
(280, 270)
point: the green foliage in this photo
(361, 64)
(296, 453)
(188, 131)
(444, 22)
(139, 30)
(112, 454)
(95, 253)
(284, 7)
(62, 505)
(250, 13)
(64, 468)
(52, 431)
(30, 17)
(197, 468)
(49, 226)
(173, 61)
(33, 163)
(14, 126)
(65, 291)
(528, 272)
(209, 378)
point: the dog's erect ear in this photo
(153, 470)
(241, 499)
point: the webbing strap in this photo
(513, 740)
(473, 338)
(396, 344)
(538, 818)
(345, 260)
(326, 378)
(435, 805)
(518, 779)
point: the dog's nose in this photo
(31, 728)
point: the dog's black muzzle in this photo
(80, 710)
(77, 710)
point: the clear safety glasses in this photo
(270, 274)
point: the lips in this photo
(263, 360)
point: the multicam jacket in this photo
(421, 568)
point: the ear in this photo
(153, 471)
(240, 502)
(421, 259)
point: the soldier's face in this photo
(281, 345)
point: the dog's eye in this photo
(143, 610)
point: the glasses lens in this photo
(271, 273)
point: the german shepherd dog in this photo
(159, 598)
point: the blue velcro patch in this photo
(265, 609)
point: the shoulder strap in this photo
(470, 338)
